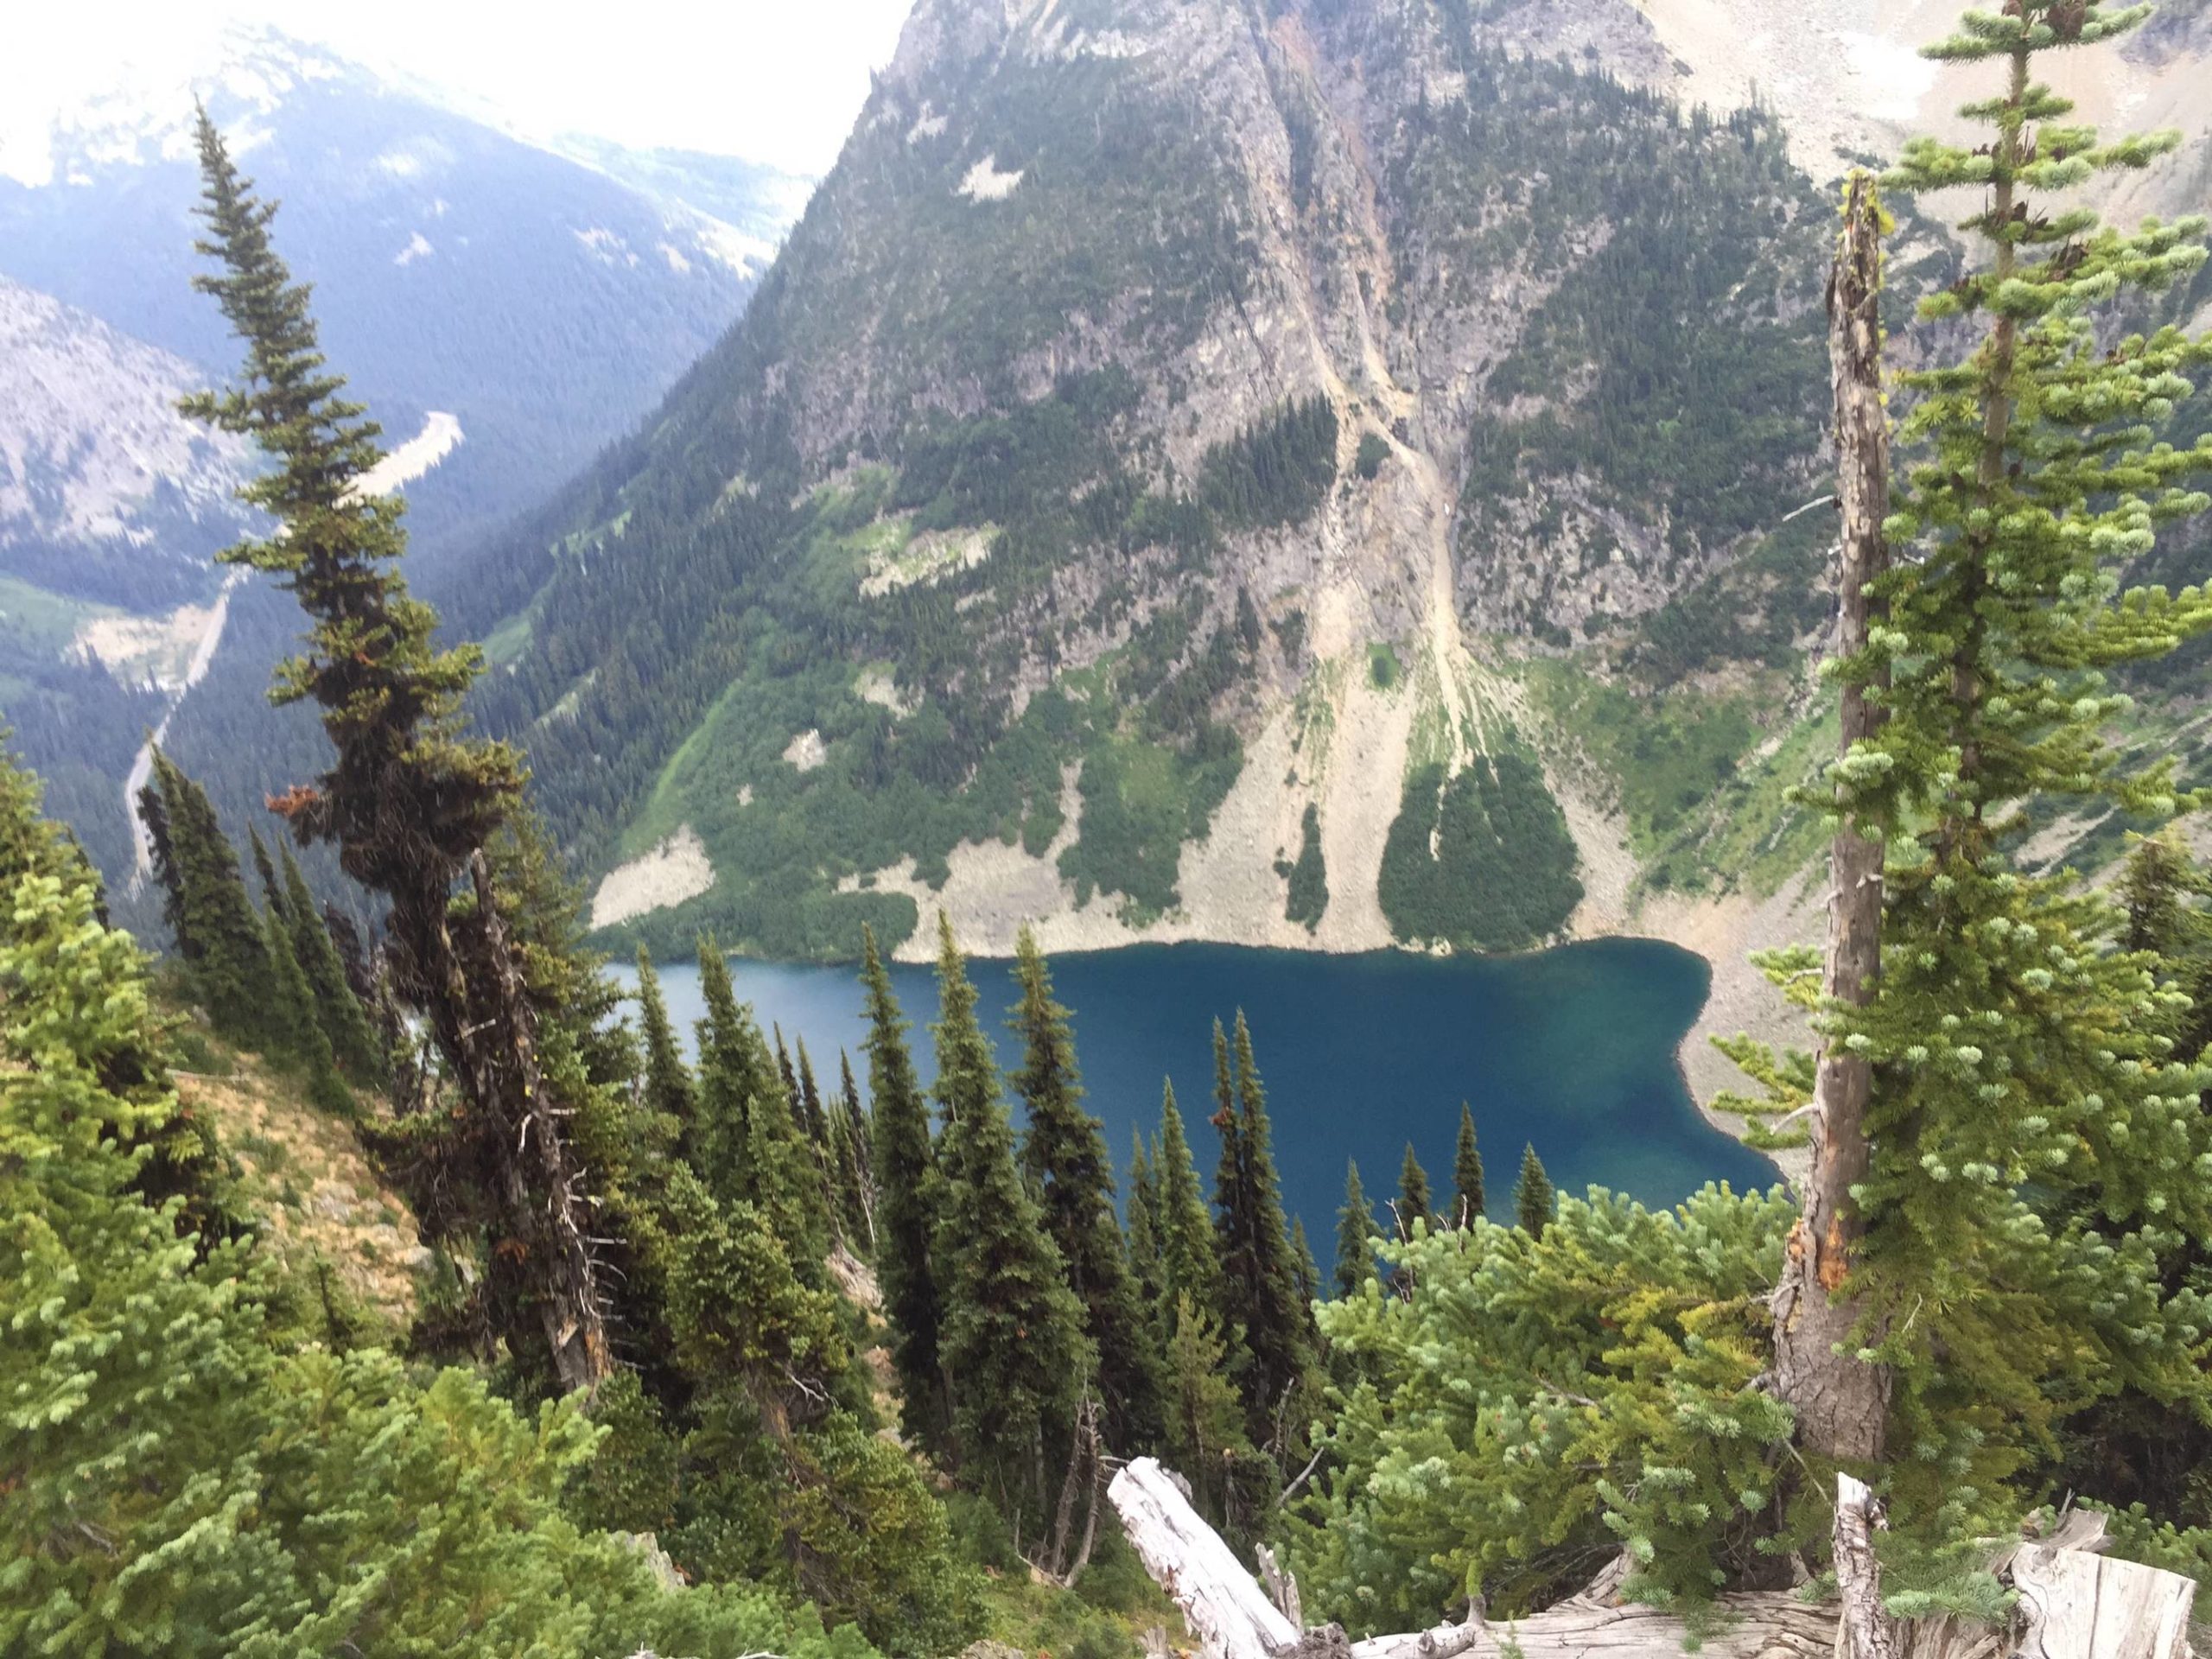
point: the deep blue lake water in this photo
(1571, 1050)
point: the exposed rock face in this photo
(106, 491)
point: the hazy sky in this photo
(774, 80)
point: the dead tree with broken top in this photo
(1842, 1402)
(410, 800)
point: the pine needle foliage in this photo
(906, 1214)
(2038, 1142)
(1065, 1160)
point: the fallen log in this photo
(2074, 1604)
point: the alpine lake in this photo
(1571, 1050)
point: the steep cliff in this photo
(1174, 414)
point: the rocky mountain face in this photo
(1158, 486)
(540, 302)
(106, 493)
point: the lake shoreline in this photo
(1577, 1050)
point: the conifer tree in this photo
(410, 800)
(1533, 1199)
(857, 1115)
(168, 871)
(1258, 1271)
(1309, 1270)
(1205, 1419)
(905, 1221)
(273, 894)
(1146, 1270)
(354, 1041)
(225, 946)
(1189, 1261)
(790, 1074)
(727, 1083)
(296, 1034)
(1413, 1195)
(1983, 1257)
(752, 1151)
(671, 1096)
(1355, 1234)
(1013, 1342)
(1063, 1160)
(813, 1116)
(1466, 1173)
(852, 1162)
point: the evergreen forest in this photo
(710, 1346)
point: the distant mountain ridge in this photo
(511, 308)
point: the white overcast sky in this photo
(773, 80)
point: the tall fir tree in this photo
(727, 1083)
(905, 1220)
(1466, 1173)
(1259, 1273)
(297, 1035)
(1013, 1346)
(411, 801)
(1189, 1262)
(1147, 1269)
(754, 1151)
(353, 1041)
(1309, 1270)
(671, 1094)
(273, 894)
(1988, 1202)
(1534, 1201)
(1064, 1162)
(1355, 1237)
(225, 946)
(1414, 1196)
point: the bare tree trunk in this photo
(1866, 1631)
(1055, 1554)
(575, 1321)
(1842, 1404)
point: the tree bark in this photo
(1865, 1632)
(1842, 1404)
(575, 1321)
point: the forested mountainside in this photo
(635, 1389)
(1169, 418)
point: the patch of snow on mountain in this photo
(418, 247)
(607, 245)
(985, 182)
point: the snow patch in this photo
(1888, 78)
(676, 870)
(440, 435)
(607, 247)
(418, 247)
(985, 182)
(676, 262)
(807, 750)
(927, 124)
(399, 163)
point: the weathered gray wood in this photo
(1222, 1603)
(1842, 1404)
(2076, 1605)
(1864, 1630)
